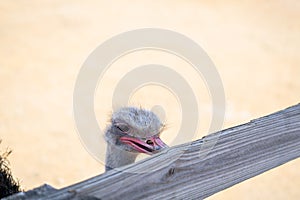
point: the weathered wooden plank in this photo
(44, 190)
(240, 153)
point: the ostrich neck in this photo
(116, 157)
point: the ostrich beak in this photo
(149, 146)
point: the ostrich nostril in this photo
(149, 142)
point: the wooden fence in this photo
(201, 168)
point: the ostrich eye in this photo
(149, 142)
(122, 127)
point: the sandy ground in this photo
(254, 45)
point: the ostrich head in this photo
(132, 131)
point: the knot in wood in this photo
(171, 171)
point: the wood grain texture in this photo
(203, 167)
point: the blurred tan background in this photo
(254, 45)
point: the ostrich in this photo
(132, 131)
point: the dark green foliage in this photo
(8, 185)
